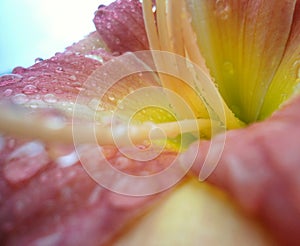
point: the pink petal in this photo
(49, 81)
(243, 43)
(63, 206)
(260, 168)
(47, 198)
(121, 26)
(287, 78)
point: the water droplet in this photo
(118, 41)
(50, 98)
(108, 25)
(67, 160)
(19, 70)
(29, 89)
(58, 91)
(236, 109)
(34, 105)
(111, 97)
(55, 120)
(95, 57)
(222, 9)
(73, 78)
(228, 69)
(20, 98)
(101, 6)
(38, 59)
(44, 90)
(59, 70)
(154, 9)
(7, 92)
(11, 77)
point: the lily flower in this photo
(243, 60)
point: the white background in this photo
(39, 28)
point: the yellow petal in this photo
(171, 31)
(195, 214)
(243, 43)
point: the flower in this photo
(47, 190)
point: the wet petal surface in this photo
(259, 167)
(121, 26)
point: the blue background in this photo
(39, 28)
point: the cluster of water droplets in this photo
(222, 9)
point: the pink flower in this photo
(250, 49)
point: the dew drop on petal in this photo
(111, 97)
(101, 6)
(20, 98)
(108, 25)
(154, 9)
(29, 89)
(59, 70)
(228, 69)
(67, 160)
(19, 70)
(7, 92)
(58, 91)
(117, 41)
(34, 105)
(96, 57)
(44, 90)
(11, 77)
(50, 98)
(73, 78)
(222, 9)
(55, 121)
(38, 59)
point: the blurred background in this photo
(38, 28)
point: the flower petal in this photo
(195, 214)
(260, 168)
(50, 83)
(121, 26)
(287, 78)
(243, 43)
(53, 205)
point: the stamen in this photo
(34, 127)
(174, 32)
(150, 25)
